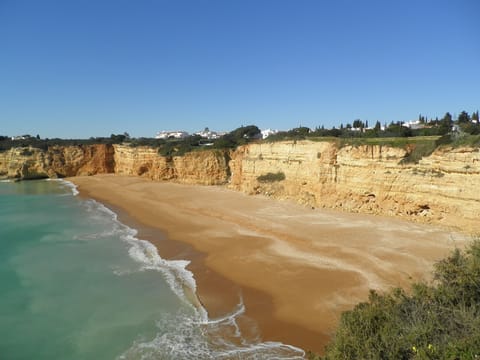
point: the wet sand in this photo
(296, 268)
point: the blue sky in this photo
(81, 68)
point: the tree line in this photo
(465, 123)
(166, 147)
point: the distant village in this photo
(205, 134)
(463, 122)
(356, 126)
(212, 135)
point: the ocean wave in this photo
(180, 280)
(67, 184)
(186, 335)
(229, 318)
(182, 337)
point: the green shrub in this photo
(438, 321)
(418, 152)
(271, 177)
(26, 152)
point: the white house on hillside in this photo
(267, 132)
(208, 134)
(171, 135)
(414, 124)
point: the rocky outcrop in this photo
(208, 167)
(57, 161)
(441, 188)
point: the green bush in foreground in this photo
(438, 321)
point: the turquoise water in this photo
(75, 283)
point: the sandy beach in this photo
(296, 268)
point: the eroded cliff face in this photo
(57, 161)
(441, 189)
(208, 167)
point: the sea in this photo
(76, 283)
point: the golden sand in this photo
(296, 268)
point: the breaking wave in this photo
(67, 184)
(182, 337)
(188, 334)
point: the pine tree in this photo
(358, 124)
(475, 115)
(463, 117)
(445, 124)
(447, 118)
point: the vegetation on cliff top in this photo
(465, 123)
(6, 143)
(420, 141)
(242, 135)
(166, 147)
(432, 321)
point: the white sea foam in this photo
(229, 318)
(145, 253)
(120, 272)
(183, 336)
(71, 185)
(67, 184)
(5, 181)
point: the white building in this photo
(267, 132)
(21, 137)
(171, 134)
(414, 124)
(207, 134)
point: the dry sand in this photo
(296, 268)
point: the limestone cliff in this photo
(57, 161)
(442, 188)
(207, 167)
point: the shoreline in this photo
(217, 294)
(314, 264)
